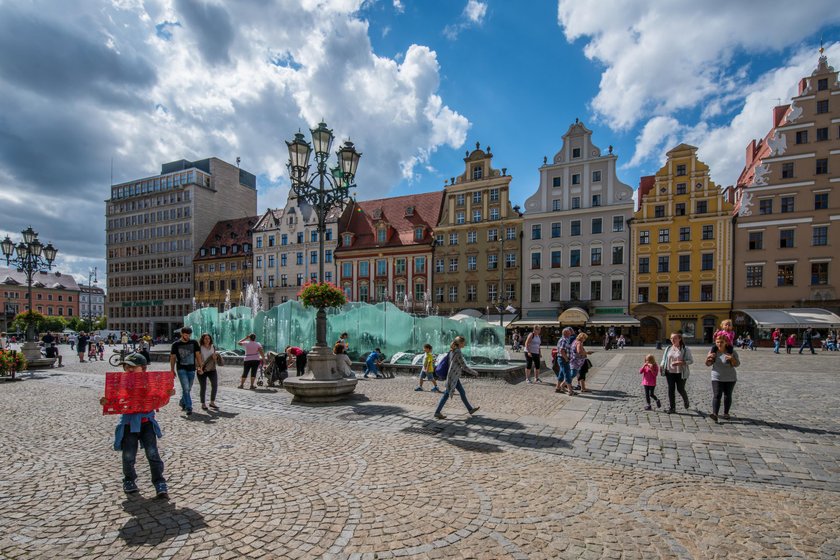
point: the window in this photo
(597, 225)
(755, 275)
(574, 290)
(681, 169)
(536, 260)
(596, 200)
(313, 257)
(822, 167)
(453, 293)
(820, 236)
(510, 260)
(439, 294)
(822, 84)
(494, 213)
(453, 238)
(618, 254)
(617, 289)
(439, 265)
(472, 292)
(643, 295)
(822, 134)
(685, 234)
(472, 237)
(283, 259)
(756, 240)
(460, 217)
(765, 206)
(347, 270)
(418, 234)
(364, 269)
(706, 292)
(684, 263)
(259, 241)
(270, 261)
(419, 291)
(708, 232)
(510, 233)
(575, 227)
(595, 290)
(259, 262)
(618, 223)
(536, 231)
(555, 229)
(399, 266)
(596, 178)
(702, 207)
(556, 259)
(494, 195)
(299, 257)
(492, 234)
(664, 235)
(453, 265)
(476, 197)
(381, 235)
(644, 237)
(819, 274)
(786, 238)
(595, 256)
(679, 210)
(439, 239)
(492, 262)
(644, 265)
(787, 204)
(556, 205)
(662, 294)
(787, 170)
(575, 152)
(284, 280)
(477, 172)
(347, 240)
(663, 264)
(801, 136)
(557, 182)
(492, 292)
(328, 234)
(300, 237)
(575, 202)
(574, 258)
(555, 291)
(683, 293)
(822, 106)
(659, 211)
(476, 216)
(364, 292)
(472, 262)
(707, 261)
(820, 201)
(460, 199)
(535, 293)
(682, 188)
(420, 264)
(784, 275)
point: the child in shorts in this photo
(428, 369)
(649, 371)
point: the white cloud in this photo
(399, 7)
(475, 11)
(473, 15)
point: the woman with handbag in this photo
(210, 358)
(674, 366)
(579, 362)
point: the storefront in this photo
(760, 323)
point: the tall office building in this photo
(154, 227)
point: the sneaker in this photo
(537, 380)
(380, 376)
(725, 416)
(366, 376)
(474, 410)
(162, 491)
(435, 390)
(419, 389)
(686, 405)
(714, 417)
(658, 403)
(528, 379)
(440, 416)
(189, 412)
(648, 407)
(129, 486)
(213, 406)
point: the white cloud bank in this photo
(472, 16)
(666, 60)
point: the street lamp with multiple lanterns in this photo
(29, 256)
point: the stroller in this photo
(276, 369)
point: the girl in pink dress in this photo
(649, 372)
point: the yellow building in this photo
(681, 251)
(222, 266)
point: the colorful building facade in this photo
(53, 294)
(222, 265)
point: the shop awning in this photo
(533, 323)
(796, 318)
(494, 319)
(573, 316)
(613, 321)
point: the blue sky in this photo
(414, 83)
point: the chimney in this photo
(778, 114)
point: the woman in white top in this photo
(342, 360)
(209, 359)
(532, 355)
(254, 355)
(674, 365)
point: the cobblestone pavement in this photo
(533, 475)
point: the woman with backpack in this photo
(457, 366)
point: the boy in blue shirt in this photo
(139, 428)
(372, 363)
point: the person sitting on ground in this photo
(342, 361)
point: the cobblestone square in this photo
(533, 474)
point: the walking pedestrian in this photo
(533, 358)
(675, 362)
(254, 355)
(81, 346)
(209, 361)
(579, 361)
(457, 366)
(186, 355)
(564, 358)
(517, 341)
(72, 340)
(777, 340)
(427, 370)
(649, 371)
(806, 340)
(790, 342)
(724, 377)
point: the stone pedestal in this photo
(32, 352)
(322, 382)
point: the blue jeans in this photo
(186, 378)
(445, 398)
(146, 436)
(807, 344)
(565, 372)
(777, 344)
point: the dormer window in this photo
(235, 249)
(409, 211)
(575, 152)
(203, 252)
(418, 234)
(346, 239)
(381, 235)
(212, 250)
(477, 172)
(246, 247)
(224, 250)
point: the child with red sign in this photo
(139, 428)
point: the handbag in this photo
(587, 365)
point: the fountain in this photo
(227, 300)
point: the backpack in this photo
(442, 367)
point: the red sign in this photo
(142, 391)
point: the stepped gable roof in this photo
(681, 148)
(646, 183)
(227, 233)
(401, 214)
(51, 280)
(272, 219)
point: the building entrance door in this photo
(649, 330)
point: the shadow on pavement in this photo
(154, 521)
(779, 426)
(460, 434)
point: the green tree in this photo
(100, 324)
(42, 323)
(76, 324)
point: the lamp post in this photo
(91, 282)
(324, 188)
(29, 256)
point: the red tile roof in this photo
(645, 184)
(363, 217)
(226, 234)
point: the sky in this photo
(95, 91)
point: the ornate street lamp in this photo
(29, 256)
(324, 188)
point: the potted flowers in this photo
(321, 294)
(11, 362)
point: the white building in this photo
(91, 302)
